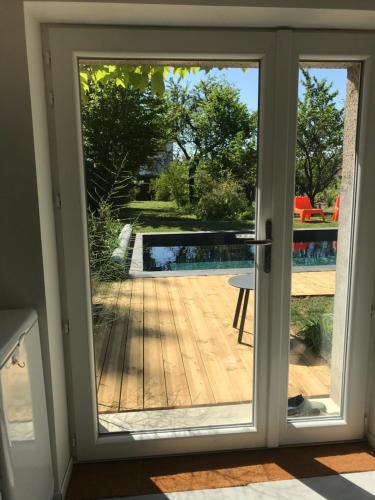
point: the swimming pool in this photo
(200, 251)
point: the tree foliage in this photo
(319, 138)
(212, 127)
(123, 129)
(138, 76)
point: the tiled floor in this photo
(256, 473)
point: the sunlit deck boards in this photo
(169, 342)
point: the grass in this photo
(164, 216)
(305, 309)
(315, 221)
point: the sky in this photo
(247, 82)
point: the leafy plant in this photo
(137, 76)
(172, 184)
(329, 196)
(312, 335)
(312, 321)
(122, 129)
(103, 232)
(248, 214)
(225, 200)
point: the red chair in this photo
(300, 245)
(303, 208)
(336, 212)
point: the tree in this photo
(212, 127)
(122, 129)
(319, 138)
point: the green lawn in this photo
(164, 216)
(305, 309)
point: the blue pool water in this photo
(230, 256)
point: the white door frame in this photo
(279, 53)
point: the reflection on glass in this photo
(323, 206)
(171, 166)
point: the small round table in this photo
(245, 282)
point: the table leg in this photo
(243, 316)
(238, 308)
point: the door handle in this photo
(267, 242)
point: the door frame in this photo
(278, 51)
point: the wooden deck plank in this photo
(213, 367)
(105, 301)
(237, 363)
(110, 381)
(226, 300)
(199, 385)
(155, 394)
(313, 283)
(132, 377)
(180, 334)
(178, 393)
(221, 362)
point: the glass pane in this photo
(171, 162)
(323, 223)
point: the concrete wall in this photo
(345, 229)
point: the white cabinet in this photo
(26, 470)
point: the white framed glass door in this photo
(327, 307)
(163, 313)
(142, 422)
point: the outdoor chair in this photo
(303, 208)
(336, 211)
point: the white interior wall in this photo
(28, 261)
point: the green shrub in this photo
(203, 180)
(103, 231)
(312, 335)
(248, 214)
(328, 196)
(159, 187)
(172, 184)
(317, 334)
(226, 200)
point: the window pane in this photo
(171, 166)
(323, 224)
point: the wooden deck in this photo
(169, 342)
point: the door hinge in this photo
(47, 58)
(51, 98)
(66, 327)
(58, 200)
(74, 441)
(373, 311)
